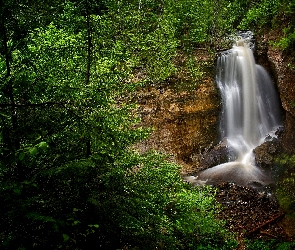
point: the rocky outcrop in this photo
(285, 79)
(266, 152)
(216, 156)
(185, 120)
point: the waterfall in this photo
(250, 113)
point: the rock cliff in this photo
(185, 120)
(285, 80)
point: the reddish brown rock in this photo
(265, 153)
(285, 79)
(184, 115)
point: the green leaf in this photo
(76, 222)
(17, 191)
(5, 115)
(43, 145)
(66, 237)
(95, 225)
(21, 156)
(33, 151)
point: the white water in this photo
(250, 114)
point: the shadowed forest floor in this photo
(252, 214)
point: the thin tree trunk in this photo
(9, 84)
(89, 44)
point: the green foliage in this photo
(269, 245)
(285, 159)
(261, 14)
(145, 26)
(192, 28)
(273, 15)
(287, 42)
(68, 179)
(286, 182)
(161, 210)
(226, 16)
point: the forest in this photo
(70, 177)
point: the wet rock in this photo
(265, 153)
(195, 181)
(218, 155)
(284, 76)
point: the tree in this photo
(68, 177)
(59, 118)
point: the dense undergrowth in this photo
(269, 245)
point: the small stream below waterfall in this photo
(250, 116)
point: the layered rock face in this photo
(283, 67)
(285, 79)
(185, 120)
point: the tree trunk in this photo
(89, 44)
(8, 88)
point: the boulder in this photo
(216, 156)
(265, 153)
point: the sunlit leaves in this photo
(146, 29)
(58, 58)
(160, 206)
(260, 14)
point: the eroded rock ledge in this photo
(185, 120)
(285, 79)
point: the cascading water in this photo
(250, 114)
